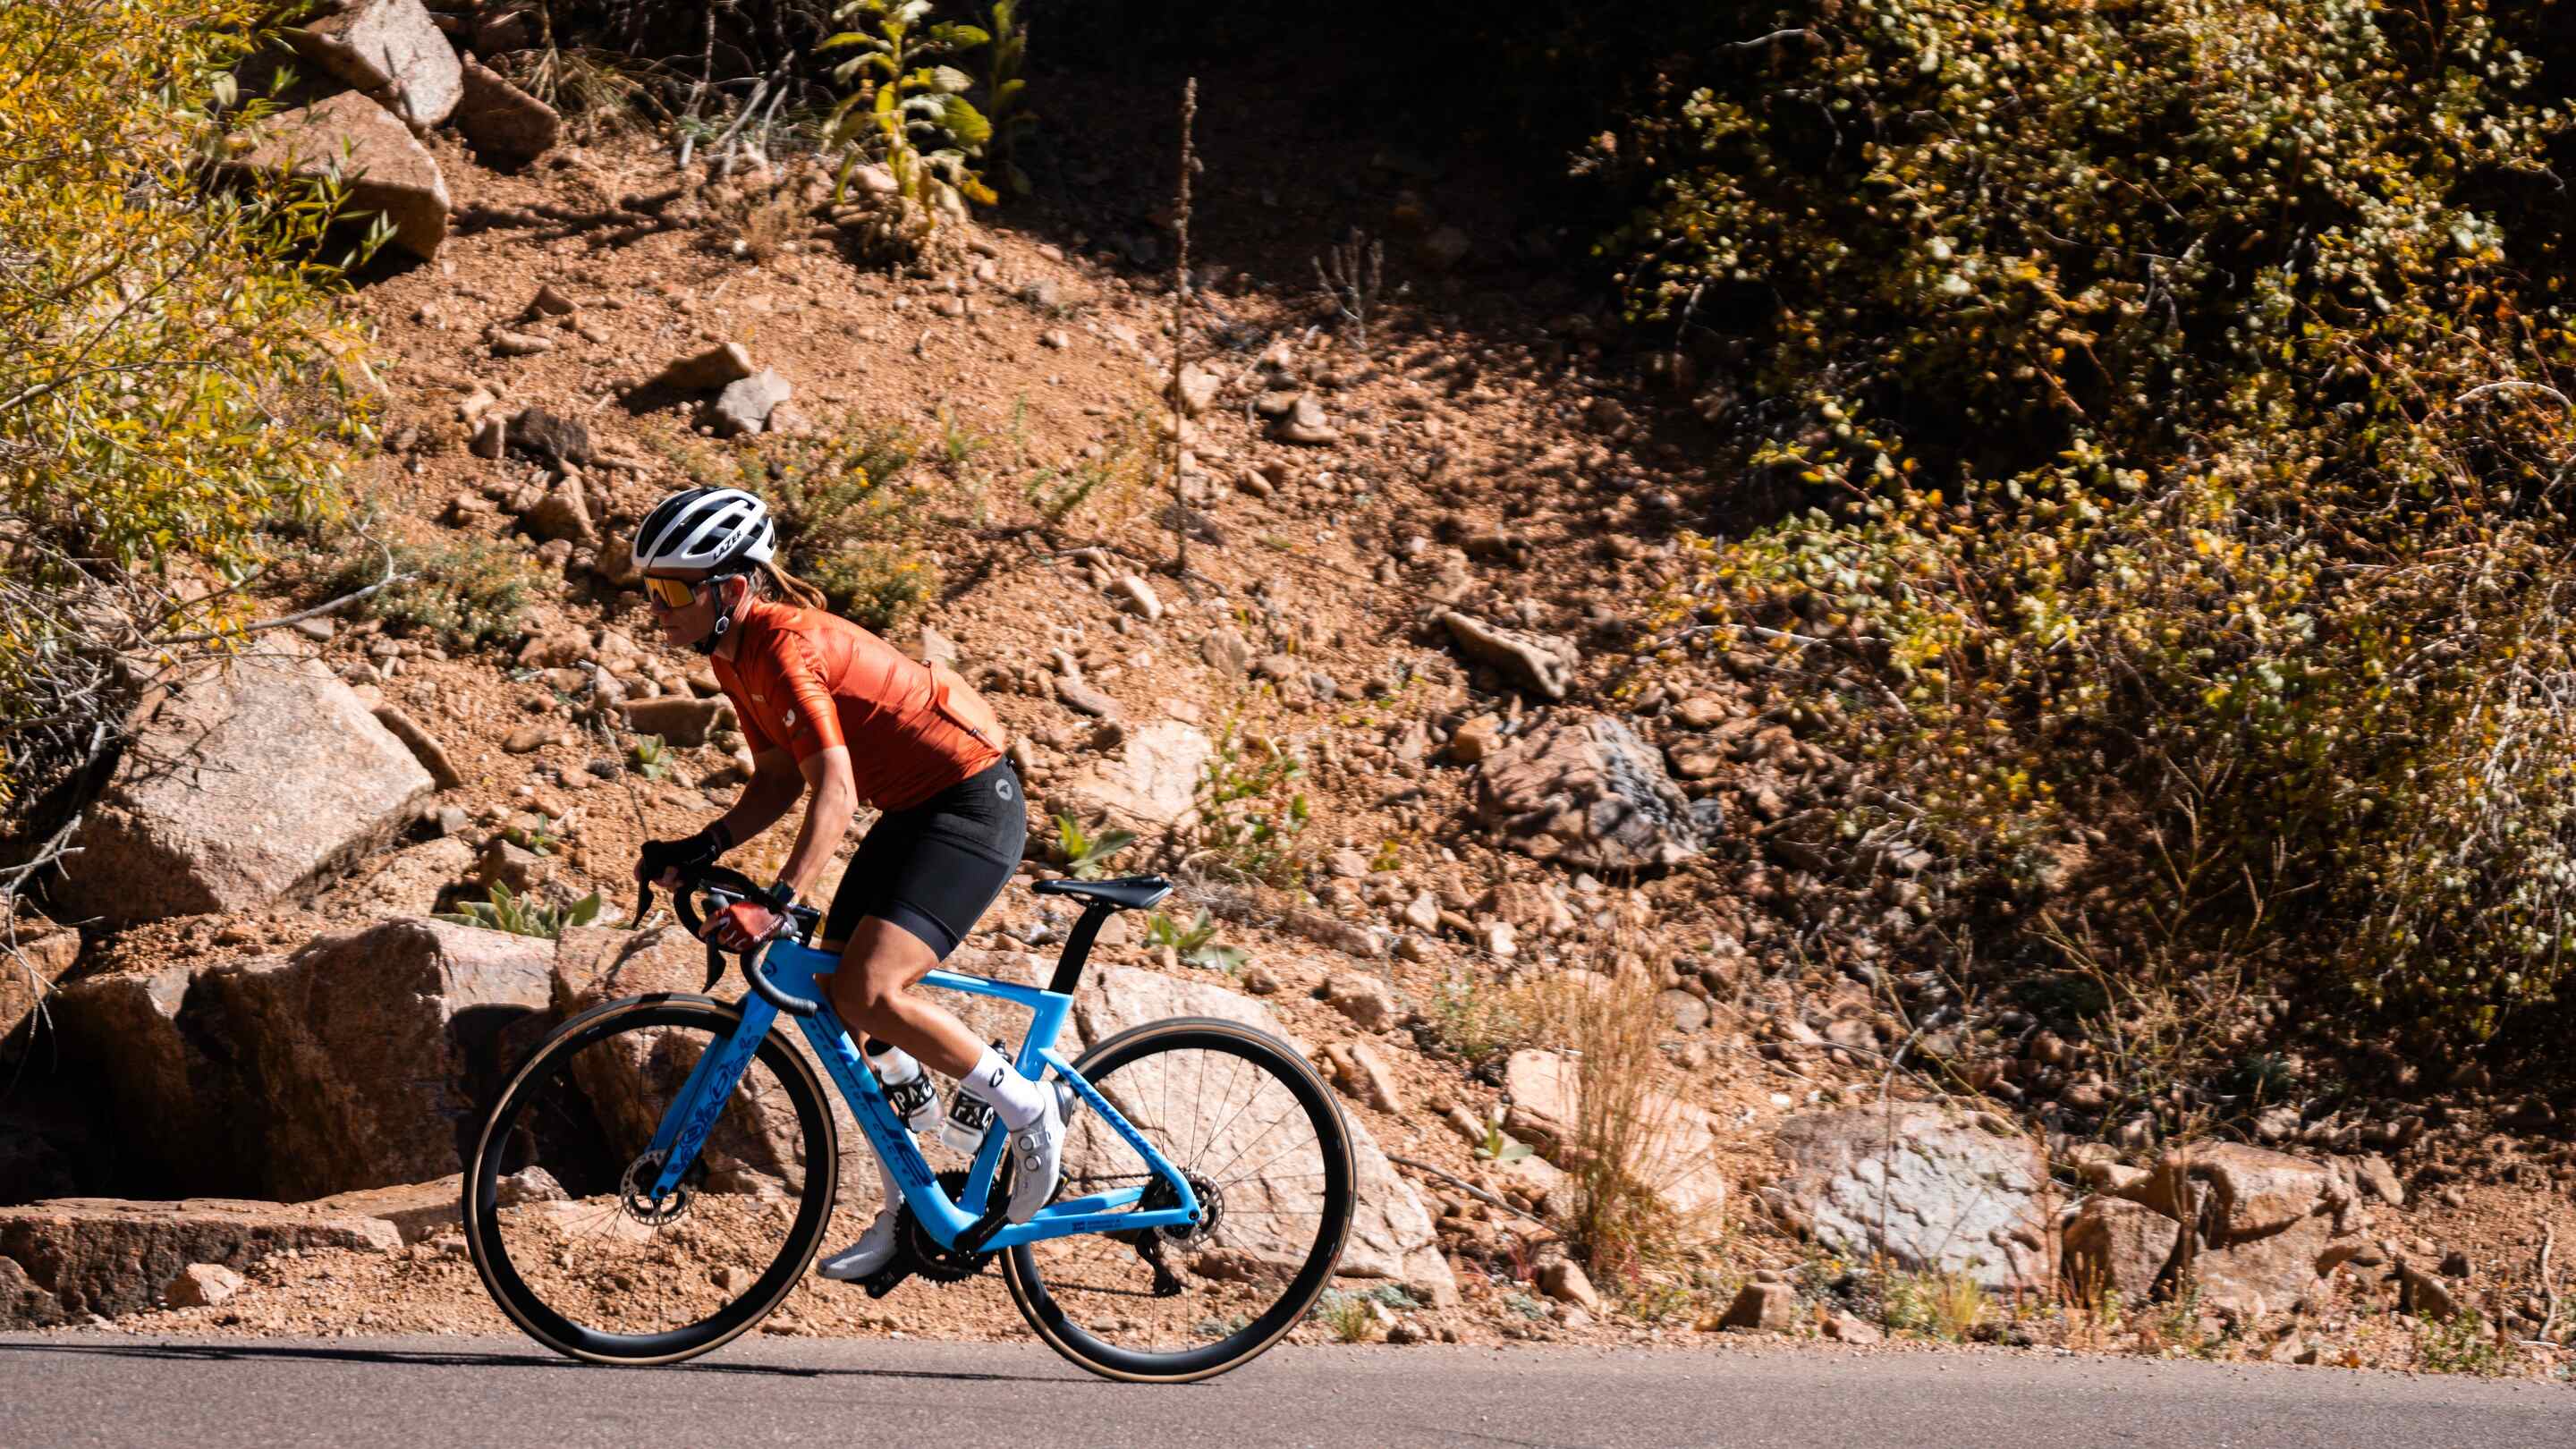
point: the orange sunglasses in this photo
(671, 593)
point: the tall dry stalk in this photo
(1628, 1150)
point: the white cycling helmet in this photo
(718, 529)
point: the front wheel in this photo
(1257, 1134)
(559, 1211)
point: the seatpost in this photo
(1077, 948)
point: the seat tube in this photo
(1077, 948)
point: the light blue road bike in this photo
(657, 1176)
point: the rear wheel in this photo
(558, 1207)
(1259, 1137)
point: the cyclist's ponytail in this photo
(791, 588)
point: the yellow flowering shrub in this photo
(171, 363)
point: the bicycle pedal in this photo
(886, 1279)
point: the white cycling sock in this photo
(1016, 1100)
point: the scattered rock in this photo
(1843, 1328)
(1763, 1308)
(1544, 663)
(527, 739)
(491, 438)
(506, 343)
(2381, 1179)
(712, 368)
(431, 754)
(2117, 1251)
(414, 882)
(1563, 1279)
(1305, 424)
(679, 720)
(562, 514)
(2425, 1296)
(1475, 739)
(1226, 652)
(386, 171)
(252, 782)
(499, 119)
(1137, 597)
(1367, 1001)
(1198, 388)
(391, 50)
(202, 1285)
(560, 442)
(743, 408)
(1083, 699)
(1583, 790)
(1347, 937)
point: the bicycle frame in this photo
(972, 1221)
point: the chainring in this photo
(929, 1259)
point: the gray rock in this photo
(1931, 1189)
(499, 119)
(391, 50)
(1763, 1308)
(385, 171)
(1138, 597)
(562, 513)
(1226, 652)
(744, 406)
(2118, 1252)
(252, 783)
(1583, 790)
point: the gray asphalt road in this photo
(274, 1394)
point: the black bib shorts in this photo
(934, 868)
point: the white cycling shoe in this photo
(873, 1250)
(1037, 1155)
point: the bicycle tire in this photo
(484, 1205)
(1024, 1268)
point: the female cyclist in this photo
(826, 704)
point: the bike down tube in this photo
(684, 1128)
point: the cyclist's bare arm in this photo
(775, 784)
(827, 820)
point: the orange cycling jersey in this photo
(807, 681)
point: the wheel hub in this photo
(632, 1190)
(1211, 1209)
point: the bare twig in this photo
(1181, 332)
(317, 611)
(1469, 1188)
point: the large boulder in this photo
(353, 139)
(77, 1256)
(358, 1062)
(1150, 785)
(251, 784)
(373, 1050)
(389, 49)
(2270, 1225)
(1583, 790)
(1930, 1188)
(1392, 1235)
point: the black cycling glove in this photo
(685, 856)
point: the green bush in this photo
(465, 596)
(2172, 453)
